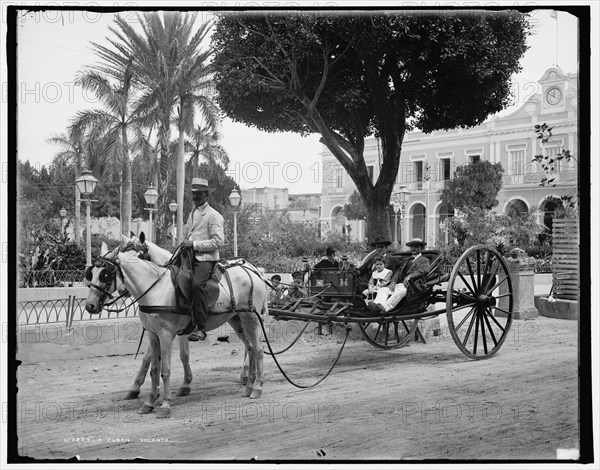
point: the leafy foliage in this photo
(278, 244)
(473, 226)
(347, 77)
(549, 167)
(355, 209)
(474, 185)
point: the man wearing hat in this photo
(203, 233)
(417, 268)
(329, 262)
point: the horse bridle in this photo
(107, 276)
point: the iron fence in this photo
(69, 310)
(51, 278)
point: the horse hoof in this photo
(256, 393)
(163, 413)
(247, 392)
(183, 391)
(132, 395)
(145, 409)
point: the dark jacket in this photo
(326, 264)
(416, 269)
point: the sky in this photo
(53, 46)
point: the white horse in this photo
(154, 290)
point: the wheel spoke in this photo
(508, 294)
(476, 333)
(467, 284)
(478, 279)
(490, 276)
(498, 283)
(464, 319)
(466, 296)
(456, 309)
(487, 313)
(468, 329)
(387, 333)
(471, 274)
(483, 338)
(496, 321)
(396, 335)
(502, 310)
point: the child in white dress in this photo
(379, 279)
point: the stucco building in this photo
(429, 160)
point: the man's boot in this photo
(197, 334)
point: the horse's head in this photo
(103, 278)
(136, 244)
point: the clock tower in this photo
(554, 87)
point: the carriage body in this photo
(475, 292)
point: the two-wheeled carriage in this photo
(476, 293)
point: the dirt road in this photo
(424, 401)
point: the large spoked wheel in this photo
(479, 302)
(389, 335)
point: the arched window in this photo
(516, 207)
(418, 222)
(548, 208)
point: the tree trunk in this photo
(126, 187)
(180, 182)
(378, 220)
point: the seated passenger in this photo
(329, 262)
(297, 289)
(276, 294)
(417, 268)
(379, 279)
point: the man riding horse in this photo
(203, 233)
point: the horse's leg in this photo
(148, 406)
(166, 348)
(251, 326)
(134, 391)
(236, 324)
(184, 355)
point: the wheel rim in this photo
(389, 335)
(479, 302)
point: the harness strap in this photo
(228, 278)
(163, 309)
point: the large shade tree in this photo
(351, 76)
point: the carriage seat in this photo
(418, 294)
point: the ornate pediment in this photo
(552, 75)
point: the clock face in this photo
(553, 96)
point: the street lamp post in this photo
(63, 221)
(173, 208)
(234, 200)
(397, 206)
(402, 195)
(86, 184)
(151, 195)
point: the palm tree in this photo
(72, 154)
(169, 68)
(112, 124)
(205, 143)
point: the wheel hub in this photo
(486, 300)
